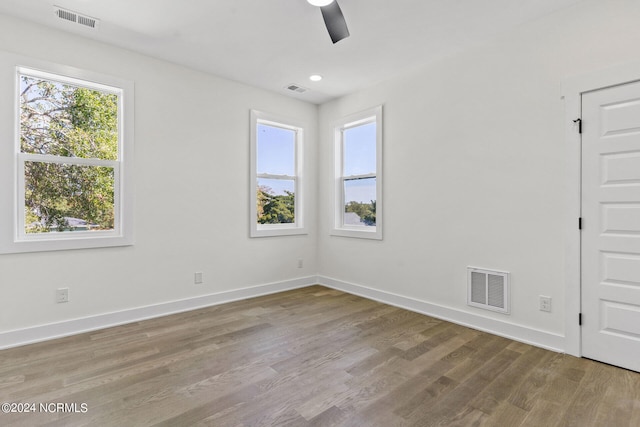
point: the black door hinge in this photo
(580, 319)
(580, 223)
(578, 121)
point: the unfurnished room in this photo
(356, 213)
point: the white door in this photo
(611, 225)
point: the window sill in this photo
(375, 234)
(65, 243)
(275, 230)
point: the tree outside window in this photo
(69, 152)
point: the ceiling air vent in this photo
(75, 17)
(488, 289)
(296, 88)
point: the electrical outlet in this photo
(545, 303)
(197, 277)
(62, 295)
(300, 263)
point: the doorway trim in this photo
(572, 90)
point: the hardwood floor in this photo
(309, 357)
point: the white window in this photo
(358, 175)
(72, 161)
(276, 176)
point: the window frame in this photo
(298, 226)
(13, 238)
(372, 115)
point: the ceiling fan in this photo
(333, 19)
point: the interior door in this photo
(611, 225)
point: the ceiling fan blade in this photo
(335, 22)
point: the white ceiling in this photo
(273, 43)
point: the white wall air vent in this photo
(75, 17)
(296, 88)
(488, 289)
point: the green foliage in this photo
(67, 121)
(94, 117)
(366, 211)
(275, 209)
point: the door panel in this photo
(610, 252)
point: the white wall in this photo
(191, 205)
(474, 165)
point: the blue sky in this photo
(276, 156)
(275, 149)
(360, 159)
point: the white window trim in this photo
(339, 229)
(13, 239)
(270, 230)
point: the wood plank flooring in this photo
(309, 357)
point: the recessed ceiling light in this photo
(315, 78)
(320, 2)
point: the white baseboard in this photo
(76, 326)
(535, 337)
(512, 331)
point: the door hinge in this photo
(580, 223)
(580, 319)
(578, 121)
